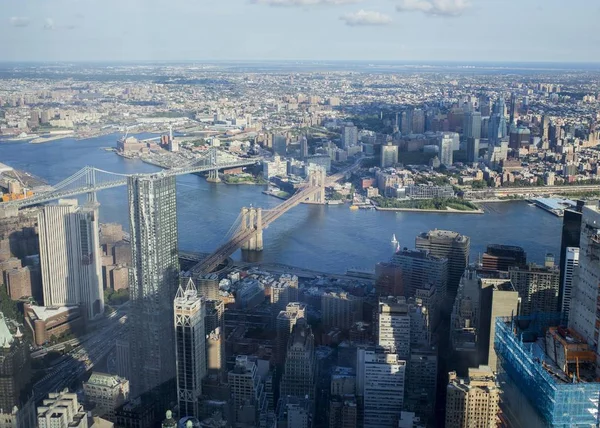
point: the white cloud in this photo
(366, 17)
(303, 2)
(49, 24)
(434, 7)
(19, 21)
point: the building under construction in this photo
(548, 374)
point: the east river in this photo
(323, 238)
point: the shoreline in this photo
(480, 211)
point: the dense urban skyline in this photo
(421, 30)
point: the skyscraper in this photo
(451, 245)
(497, 123)
(497, 298)
(298, 378)
(583, 316)
(394, 326)
(190, 348)
(303, 147)
(419, 268)
(389, 155)
(446, 144)
(380, 381)
(571, 231)
(70, 256)
(472, 125)
(284, 324)
(472, 402)
(153, 279)
(15, 376)
(349, 135)
(418, 121)
(537, 287)
(571, 263)
(472, 149)
(247, 392)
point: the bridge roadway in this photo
(116, 182)
(235, 243)
(211, 262)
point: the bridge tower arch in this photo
(213, 174)
(252, 220)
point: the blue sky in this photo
(445, 30)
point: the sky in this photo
(391, 30)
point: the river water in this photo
(323, 238)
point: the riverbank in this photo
(41, 140)
(419, 210)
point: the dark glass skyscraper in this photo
(571, 231)
(153, 279)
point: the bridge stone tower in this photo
(252, 219)
(213, 175)
(316, 178)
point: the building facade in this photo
(190, 348)
(153, 280)
(107, 392)
(70, 256)
(381, 383)
(298, 378)
(452, 246)
(394, 324)
(472, 402)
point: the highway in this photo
(529, 191)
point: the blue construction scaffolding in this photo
(558, 403)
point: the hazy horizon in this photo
(299, 30)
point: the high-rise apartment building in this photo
(298, 378)
(394, 326)
(284, 324)
(190, 348)
(389, 155)
(420, 267)
(380, 381)
(452, 246)
(567, 273)
(349, 135)
(340, 309)
(503, 257)
(70, 256)
(472, 402)
(153, 281)
(106, 392)
(294, 412)
(446, 147)
(537, 287)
